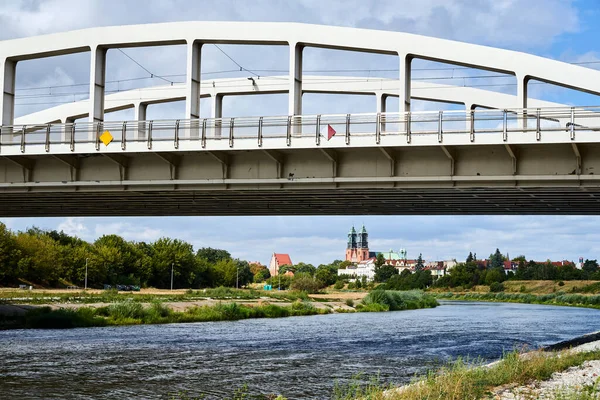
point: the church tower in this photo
(357, 249)
(363, 244)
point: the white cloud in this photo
(74, 227)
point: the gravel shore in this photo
(579, 377)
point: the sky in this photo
(565, 30)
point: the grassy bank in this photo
(461, 380)
(112, 296)
(134, 313)
(393, 300)
(556, 299)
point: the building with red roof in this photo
(277, 260)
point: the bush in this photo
(397, 300)
(522, 289)
(496, 287)
(46, 318)
(339, 285)
(350, 303)
(306, 284)
(561, 283)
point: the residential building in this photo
(277, 260)
(364, 268)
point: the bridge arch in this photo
(297, 37)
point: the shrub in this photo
(339, 285)
(397, 300)
(496, 287)
(350, 303)
(306, 284)
(522, 289)
(561, 283)
(46, 318)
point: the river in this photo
(298, 357)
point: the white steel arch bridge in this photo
(516, 156)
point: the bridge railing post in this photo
(378, 128)
(98, 129)
(150, 135)
(260, 132)
(288, 136)
(231, 123)
(47, 145)
(203, 138)
(176, 135)
(505, 125)
(408, 130)
(318, 130)
(440, 126)
(72, 138)
(347, 128)
(472, 125)
(538, 125)
(124, 136)
(572, 127)
(23, 139)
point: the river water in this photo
(299, 357)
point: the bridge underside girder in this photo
(488, 179)
(393, 201)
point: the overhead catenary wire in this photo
(255, 71)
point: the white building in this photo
(363, 268)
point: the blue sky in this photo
(561, 29)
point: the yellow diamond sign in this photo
(106, 138)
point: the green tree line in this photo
(55, 259)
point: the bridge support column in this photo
(97, 84)
(8, 72)
(404, 91)
(192, 98)
(295, 81)
(522, 82)
(217, 112)
(140, 115)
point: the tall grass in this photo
(559, 298)
(133, 313)
(462, 380)
(113, 296)
(394, 300)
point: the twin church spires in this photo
(358, 245)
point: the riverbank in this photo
(127, 311)
(566, 374)
(554, 299)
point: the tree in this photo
(326, 273)
(285, 268)
(379, 261)
(306, 283)
(496, 259)
(213, 255)
(385, 272)
(9, 256)
(419, 266)
(167, 252)
(262, 275)
(470, 257)
(302, 268)
(590, 266)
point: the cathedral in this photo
(358, 245)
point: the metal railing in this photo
(290, 128)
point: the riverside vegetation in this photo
(463, 379)
(466, 379)
(132, 312)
